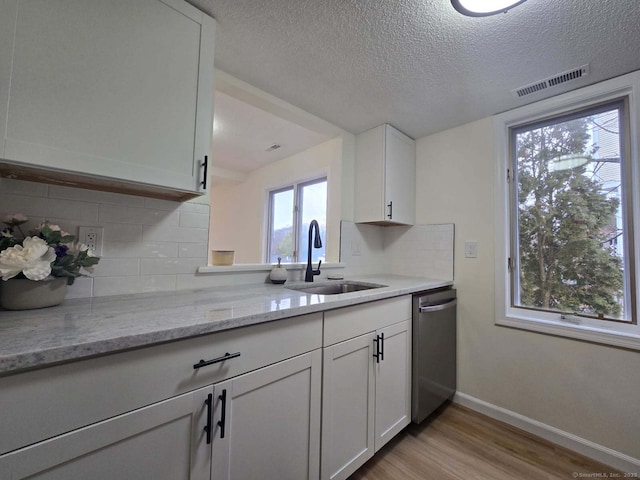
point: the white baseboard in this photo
(602, 454)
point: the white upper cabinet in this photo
(385, 177)
(118, 92)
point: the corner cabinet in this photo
(366, 384)
(110, 94)
(385, 177)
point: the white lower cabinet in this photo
(280, 408)
(366, 381)
(347, 407)
(163, 440)
(393, 383)
(267, 423)
(263, 425)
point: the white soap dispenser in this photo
(278, 274)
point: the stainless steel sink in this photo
(335, 288)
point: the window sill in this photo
(580, 332)
(263, 267)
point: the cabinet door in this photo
(121, 89)
(347, 407)
(385, 177)
(163, 440)
(400, 177)
(393, 383)
(267, 422)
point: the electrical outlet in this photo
(92, 238)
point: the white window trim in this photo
(612, 333)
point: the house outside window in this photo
(291, 210)
(567, 214)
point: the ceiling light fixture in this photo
(569, 162)
(484, 8)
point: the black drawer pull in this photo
(226, 356)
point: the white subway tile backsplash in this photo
(140, 249)
(78, 211)
(111, 267)
(197, 220)
(192, 207)
(157, 204)
(163, 233)
(420, 250)
(82, 287)
(166, 266)
(121, 232)
(193, 250)
(158, 283)
(8, 186)
(29, 206)
(135, 215)
(147, 242)
(104, 286)
(95, 196)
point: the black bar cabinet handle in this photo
(207, 428)
(223, 414)
(377, 354)
(205, 166)
(226, 356)
(381, 343)
(390, 210)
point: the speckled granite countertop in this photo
(93, 326)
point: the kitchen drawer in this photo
(345, 323)
(43, 403)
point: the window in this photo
(291, 210)
(569, 222)
(566, 251)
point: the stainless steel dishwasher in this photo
(434, 351)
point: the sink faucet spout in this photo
(317, 243)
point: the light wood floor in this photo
(459, 443)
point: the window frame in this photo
(296, 214)
(584, 328)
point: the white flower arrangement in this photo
(47, 251)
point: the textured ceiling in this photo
(417, 64)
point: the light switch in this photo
(356, 249)
(471, 249)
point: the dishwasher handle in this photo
(437, 308)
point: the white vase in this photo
(24, 294)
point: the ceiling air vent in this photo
(273, 147)
(554, 81)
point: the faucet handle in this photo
(317, 271)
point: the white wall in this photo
(238, 211)
(586, 389)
